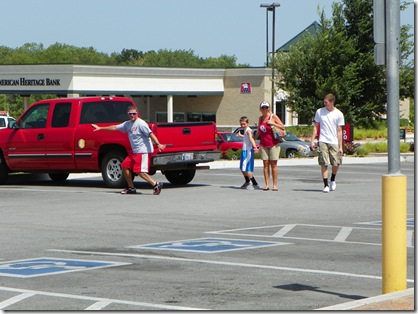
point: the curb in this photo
(283, 162)
(398, 296)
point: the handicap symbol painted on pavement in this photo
(208, 245)
(49, 266)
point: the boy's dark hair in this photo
(243, 119)
(330, 97)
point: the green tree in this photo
(339, 59)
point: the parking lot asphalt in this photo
(293, 283)
(396, 301)
(400, 300)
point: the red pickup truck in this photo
(55, 136)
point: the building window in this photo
(162, 117)
(199, 116)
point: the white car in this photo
(4, 121)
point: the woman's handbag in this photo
(278, 134)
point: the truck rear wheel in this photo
(180, 177)
(58, 177)
(4, 170)
(111, 170)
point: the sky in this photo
(210, 28)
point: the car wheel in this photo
(112, 171)
(291, 153)
(180, 177)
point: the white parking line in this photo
(282, 232)
(98, 301)
(410, 238)
(16, 299)
(98, 306)
(343, 234)
(192, 260)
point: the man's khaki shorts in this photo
(329, 155)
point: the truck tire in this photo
(111, 169)
(58, 177)
(4, 170)
(180, 177)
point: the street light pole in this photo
(267, 38)
(271, 7)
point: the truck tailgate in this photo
(187, 136)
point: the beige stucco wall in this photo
(235, 104)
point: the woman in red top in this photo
(269, 146)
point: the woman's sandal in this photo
(266, 189)
(275, 189)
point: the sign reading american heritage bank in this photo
(30, 82)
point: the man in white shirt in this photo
(330, 121)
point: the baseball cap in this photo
(264, 104)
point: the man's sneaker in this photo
(333, 186)
(245, 185)
(326, 189)
(157, 188)
(257, 187)
(128, 191)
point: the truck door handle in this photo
(41, 136)
(186, 131)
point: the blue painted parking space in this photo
(208, 245)
(410, 222)
(49, 266)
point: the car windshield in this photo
(291, 137)
(231, 137)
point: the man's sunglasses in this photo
(132, 113)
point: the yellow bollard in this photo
(394, 251)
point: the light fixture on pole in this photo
(271, 7)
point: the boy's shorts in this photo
(138, 163)
(328, 155)
(246, 162)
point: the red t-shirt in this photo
(267, 139)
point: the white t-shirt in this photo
(138, 133)
(328, 124)
(246, 145)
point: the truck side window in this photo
(104, 112)
(61, 115)
(35, 117)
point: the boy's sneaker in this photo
(333, 186)
(257, 187)
(326, 189)
(157, 188)
(245, 185)
(128, 191)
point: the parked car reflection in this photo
(228, 140)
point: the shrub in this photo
(382, 147)
(362, 151)
(232, 155)
(349, 148)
